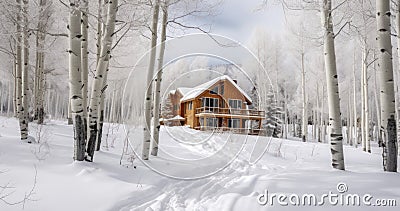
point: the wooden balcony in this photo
(241, 113)
(245, 131)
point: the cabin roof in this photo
(176, 118)
(191, 93)
(184, 90)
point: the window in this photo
(222, 89)
(234, 123)
(175, 107)
(211, 122)
(214, 91)
(235, 104)
(210, 102)
(190, 106)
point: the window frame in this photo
(215, 90)
(214, 100)
(190, 106)
(232, 121)
(214, 122)
(235, 103)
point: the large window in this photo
(234, 123)
(210, 102)
(235, 104)
(219, 89)
(211, 122)
(190, 106)
(214, 91)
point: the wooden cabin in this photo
(219, 104)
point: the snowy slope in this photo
(287, 167)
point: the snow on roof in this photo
(184, 91)
(191, 93)
(178, 117)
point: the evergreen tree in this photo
(167, 109)
(273, 122)
(254, 105)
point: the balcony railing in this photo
(232, 130)
(231, 111)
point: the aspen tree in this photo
(75, 81)
(149, 85)
(336, 136)
(388, 118)
(156, 122)
(101, 72)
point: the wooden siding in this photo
(193, 120)
(176, 103)
(189, 114)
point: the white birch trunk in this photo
(336, 136)
(398, 53)
(350, 123)
(99, 30)
(15, 110)
(75, 82)
(101, 114)
(363, 117)
(156, 119)
(101, 72)
(319, 114)
(388, 119)
(18, 61)
(42, 86)
(304, 123)
(39, 72)
(69, 115)
(84, 58)
(286, 116)
(377, 109)
(24, 119)
(367, 139)
(102, 14)
(355, 126)
(322, 126)
(10, 97)
(149, 86)
(36, 79)
(314, 126)
(100, 25)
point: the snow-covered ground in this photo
(230, 177)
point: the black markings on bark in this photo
(91, 142)
(79, 138)
(391, 164)
(100, 131)
(104, 89)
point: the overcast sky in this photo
(238, 18)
